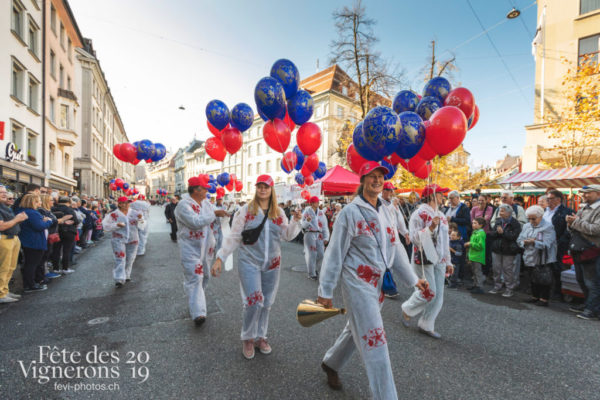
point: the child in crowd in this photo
(476, 246)
(457, 254)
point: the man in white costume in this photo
(316, 236)
(142, 206)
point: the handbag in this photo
(542, 273)
(53, 238)
(250, 236)
(582, 249)
(388, 285)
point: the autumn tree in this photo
(574, 130)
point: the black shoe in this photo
(35, 288)
(542, 303)
(577, 308)
(127, 280)
(533, 300)
(199, 320)
(333, 380)
(477, 290)
(119, 285)
(588, 315)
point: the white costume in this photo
(397, 216)
(196, 240)
(124, 241)
(258, 266)
(143, 207)
(316, 233)
(436, 248)
(355, 257)
(219, 227)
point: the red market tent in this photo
(338, 181)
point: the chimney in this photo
(317, 65)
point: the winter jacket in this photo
(60, 211)
(45, 213)
(33, 233)
(477, 247)
(563, 236)
(544, 249)
(506, 243)
(462, 218)
(588, 222)
(458, 256)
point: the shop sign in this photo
(12, 154)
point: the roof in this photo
(194, 145)
(508, 162)
(564, 177)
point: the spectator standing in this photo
(31, 188)
(483, 209)
(476, 246)
(9, 245)
(458, 213)
(538, 241)
(504, 235)
(67, 235)
(457, 255)
(170, 215)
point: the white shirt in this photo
(549, 213)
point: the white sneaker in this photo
(8, 299)
(494, 291)
(14, 295)
(508, 293)
(67, 271)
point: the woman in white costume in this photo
(316, 236)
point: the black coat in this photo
(505, 243)
(60, 211)
(560, 228)
(170, 211)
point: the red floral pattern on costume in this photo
(275, 263)
(313, 248)
(199, 269)
(132, 222)
(278, 221)
(117, 235)
(254, 298)
(381, 297)
(196, 208)
(120, 254)
(425, 217)
(375, 338)
(363, 228)
(114, 216)
(134, 242)
(320, 237)
(373, 227)
(196, 235)
(320, 224)
(249, 217)
(211, 251)
(368, 274)
(390, 232)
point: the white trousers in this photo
(195, 279)
(124, 255)
(313, 252)
(258, 289)
(435, 275)
(143, 239)
(364, 331)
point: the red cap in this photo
(313, 199)
(433, 188)
(388, 186)
(266, 179)
(123, 199)
(370, 166)
(202, 180)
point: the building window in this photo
(62, 35)
(588, 48)
(53, 18)
(258, 149)
(340, 112)
(258, 171)
(249, 151)
(345, 91)
(53, 64)
(66, 170)
(34, 93)
(52, 157)
(52, 110)
(17, 18)
(586, 6)
(317, 111)
(64, 116)
(33, 37)
(249, 169)
(61, 77)
(32, 146)
(69, 49)
(18, 137)
(268, 166)
(18, 73)
(68, 83)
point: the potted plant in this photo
(31, 157)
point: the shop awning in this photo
(338, 181)
(565, 177)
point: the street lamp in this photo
(512, 14)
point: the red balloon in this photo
(308, 138)
(309, 180)
(157, 191)
(301, 185)
(355, 161)
(117, 153)
(232, 139)
(475, 117)
(414, 164)
(136, 161)
(289, 160)
(305, 171)
(220, 192)
(214, 130)
(426, 152)
(288, 121)
(277, 135)
(424, 171)
(233, 177)
(119, 182)
(214, 148)
(311, 162)
(463, 99)
(112, 187)
(305, 194)
(128, 152)
(447, 130)
(393, 159)
(238, 186)
(230, 186)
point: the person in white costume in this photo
(122, 223)
(363, 244)
(142, 206)
(316, 236)
(259, 263)
(195, 237)
(431, 256)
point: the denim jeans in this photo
(592, 281)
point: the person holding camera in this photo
(257, 231)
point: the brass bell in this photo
(310, 313)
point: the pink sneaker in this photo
(248, 349)
(262, 346)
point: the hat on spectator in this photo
(370, 166)
(266, 179)
(433, 188)
(313, 199)
(590, 188)
(388, 186)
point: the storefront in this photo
(15, 172)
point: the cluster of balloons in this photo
(283, 105)
(120, 184)
(135, 152)
(227, 128)
(224, 181)
(415, 130)
(162, 192)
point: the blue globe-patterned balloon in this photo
(405, 100)
(211, 179)
(263, 116)
(151, 153)
(299, 178)
(270, 98)
(217, 114)
(161, 150)
(284, 169)
(287, 74)
(144, 147)
(212, 188)
(390, 168)
(223, 179)
(242, 116)
(208, 196)
(361, 146)
(412, 135)
(321, 171)
(300, 107)
(437, 87)
(427, 106)
(125, 186)
(299, 158)
(112, 181)
(381, 130)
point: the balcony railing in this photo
(67, 94)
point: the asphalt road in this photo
(492, 348)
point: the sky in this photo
(158, 55)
